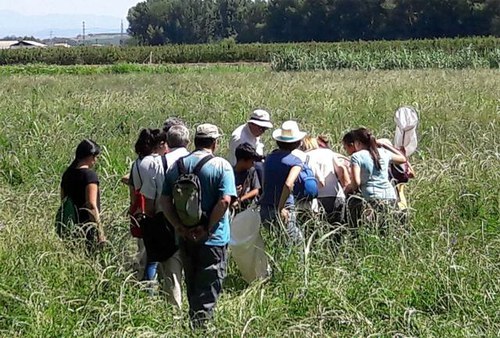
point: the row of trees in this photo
(156, 22)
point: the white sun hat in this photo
(261, 118)
(289, 132)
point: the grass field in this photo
(440, 277)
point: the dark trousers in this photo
(204, 270)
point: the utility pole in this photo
(83, 30)
(51, 41)
(121, 33)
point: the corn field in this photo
(438, 53)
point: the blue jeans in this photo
(270, 218)
(150, 271)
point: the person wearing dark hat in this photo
(81, 184)
(246, 178)
(203, 247)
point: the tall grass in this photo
(437, 277)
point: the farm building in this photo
(13, 44)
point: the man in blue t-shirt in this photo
(281, 170)
(204, 247)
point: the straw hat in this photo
(289, 132)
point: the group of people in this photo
(181, 201)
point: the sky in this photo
(117, 8)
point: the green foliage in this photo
(156, 22)
(461, 53)
(436, 277)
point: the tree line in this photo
(158, 22)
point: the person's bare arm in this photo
(398, 158)
(250, 195)
(355, 179)
(287, 189)
(342, 173)
(91, 192)
(218, 212)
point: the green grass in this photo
(438, 278)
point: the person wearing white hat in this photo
(281, 169)
(250, 132)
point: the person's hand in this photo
(284, 214)
(125, 179)
(236, 204)
(198, 233)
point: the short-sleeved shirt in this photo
(249, 180)
(322, 161)
(375, 183)
(148, 177)
(276, 169)
(216, 180)
(241, 135)
(74, 184)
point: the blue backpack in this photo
(306, 186)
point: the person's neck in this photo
(208, 150)
(238, 167)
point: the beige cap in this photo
(207, 130)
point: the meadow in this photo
(439, 276)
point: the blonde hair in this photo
(309, 143)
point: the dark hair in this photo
(172, 121)
(203, 142)
(288, 146)
(246, 151)
(349, 138)
(85, 149)
(159, 137)
(365, 137)
(145, 143)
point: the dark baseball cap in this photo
(246, 151)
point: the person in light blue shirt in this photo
(203, 248)
(369, 168)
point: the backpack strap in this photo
(165, 164)
(181, 167)
(201, 163)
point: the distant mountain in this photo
(61, 25)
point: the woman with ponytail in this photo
(369, 167)
(81, 184)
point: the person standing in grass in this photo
(158, 236)
(281, 169)
(251, 133)
(247, 180)
(369, 170)
(81, 184)
(333, 177)
(203, 247)
(171, 270)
